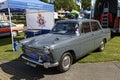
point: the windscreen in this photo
(65, 28)
(6, 24)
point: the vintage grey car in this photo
(69, 40)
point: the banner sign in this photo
(40, 19)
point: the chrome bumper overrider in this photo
(45, 64)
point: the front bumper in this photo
(44, 64)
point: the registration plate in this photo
(31, 64)
(33, 55)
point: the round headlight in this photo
(46, 50)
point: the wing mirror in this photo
(77, 32)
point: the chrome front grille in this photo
(28, 50)
(36, 54)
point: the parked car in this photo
(5, 28)
(69, 40)
(16, 28)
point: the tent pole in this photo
(10, 21)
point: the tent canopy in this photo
(26, 4)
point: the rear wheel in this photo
(102, 46)
(65, 62)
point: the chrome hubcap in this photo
(102, 46)
(66, 61)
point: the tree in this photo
(46, 1)
(70, 4)
(65, 4)
(86, 4)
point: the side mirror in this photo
(77, 32)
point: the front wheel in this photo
(65, 62)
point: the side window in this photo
(95, 26)
(85, 28)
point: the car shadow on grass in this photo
(19, 70)
(9, 51)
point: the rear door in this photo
(98, 33)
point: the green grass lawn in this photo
(111, 53)
(6, 49)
